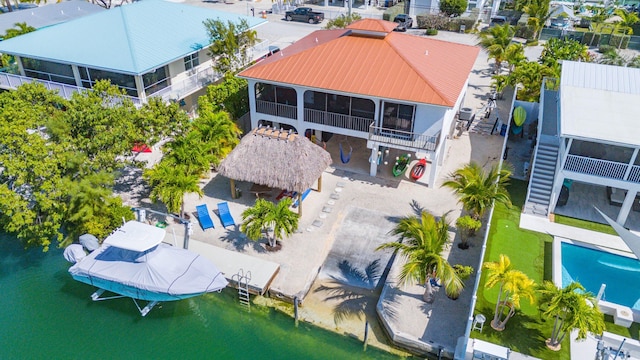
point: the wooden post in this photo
(320, 183)
(299, 204)
(233, 188)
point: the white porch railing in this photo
(596, 167)
(337, 120)
(403, 138)
(275, 109)
(200, 77)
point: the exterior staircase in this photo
(541, 181)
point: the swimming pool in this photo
(592, 268)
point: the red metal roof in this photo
(394, 66)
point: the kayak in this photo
(418, 169)
(401, 164)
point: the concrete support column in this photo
(555, 191)
(373, 161)
(252, 104)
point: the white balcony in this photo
(602, 168)
(398, 138)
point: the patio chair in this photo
(304, 196)
(203, 217)
(225, 215)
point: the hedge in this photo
(619, 41)
(391, 12)
(591, 38)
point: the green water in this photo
(45, 314)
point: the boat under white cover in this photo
(133, 262)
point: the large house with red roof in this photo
(395, 90)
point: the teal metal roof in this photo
(132, 39)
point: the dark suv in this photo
(404, 22)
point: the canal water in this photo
(45, 314)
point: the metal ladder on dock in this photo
(242, 280)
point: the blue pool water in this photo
(592, 268)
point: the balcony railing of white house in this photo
(275, 109)
(602, 168)
(200, 77)
(403, 138)
(337, 120)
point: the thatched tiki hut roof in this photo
(278, 159)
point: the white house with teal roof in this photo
(148, 48)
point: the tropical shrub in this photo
(432, 32)
(453, 8)
(342, 21)
(430, 21)
(467, 227)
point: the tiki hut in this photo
(278, 159)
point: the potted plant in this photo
(468, 227)
(463, 272)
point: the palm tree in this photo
(514, 285)
(191, 152)
(477, 189)
(628, 19)
(572, 308)
(268, 218)
(514, 55)
(169, 182)
(495, 41)
(538, 11)
(422, 241)
(219, 132)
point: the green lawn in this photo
(632, 332)
(584, 224)
(529, 252)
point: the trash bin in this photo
(503, 130)
(463, 27)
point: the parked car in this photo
(404, 22)
(498, 21)
(305, 14)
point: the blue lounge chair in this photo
(225, 215)
(304, 196)
(203, 217)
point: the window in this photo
(89, 77)
(191, 61)
(155, 80)
(48, 70)
(398, 117)
(315, 100)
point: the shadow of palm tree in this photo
(416, 207)
(240, 241)
(353, 301)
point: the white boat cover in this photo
(74, 253)
(161, 273)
